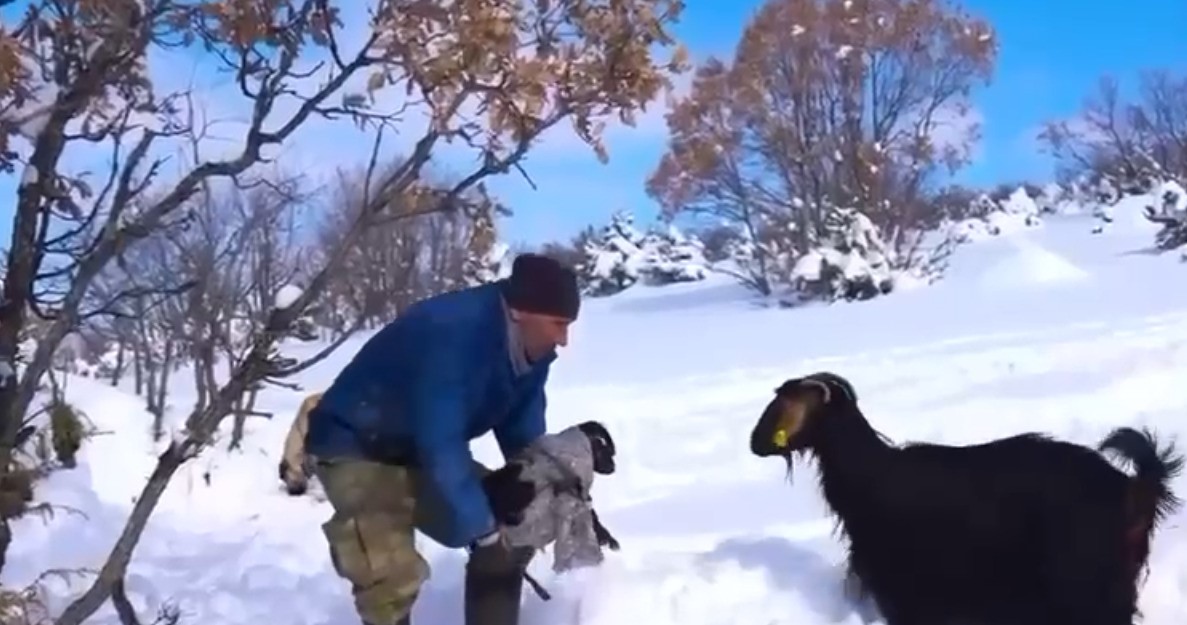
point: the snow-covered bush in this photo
(1169, 210)
(852, 262)
(989, 218)
(620, 256)
(844, 257)
(1055, 199)
(671, 256)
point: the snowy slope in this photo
(1050, 328)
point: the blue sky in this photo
(1051, 55)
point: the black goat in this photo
(1020, 531)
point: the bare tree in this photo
(192, 291)
(133, 302)
(395, 263)
(491, 76)
(269, 264)
(826, 103)
(1125, 147)
(75, 77)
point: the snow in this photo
(287, 296)
(1128, 215)
(1052, 328)
(1031, 265)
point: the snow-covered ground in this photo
(1049, 327)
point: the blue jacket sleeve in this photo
(437, 411)
(526, 423)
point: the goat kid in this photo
(1024, 530)
(510, 495)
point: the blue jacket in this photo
(422, 388)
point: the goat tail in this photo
(1154, 468)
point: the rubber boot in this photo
(493, 588)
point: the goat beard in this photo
(789, 459)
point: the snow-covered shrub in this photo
(845, 257)
(1055, 199)
(620, 256)
(1169, 210)
(671, 256)
(989, 218)
(852, 262)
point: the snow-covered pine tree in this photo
(620, 256)
(613, 257)
(671, 256)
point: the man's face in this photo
(541, 333)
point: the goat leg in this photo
(603, 535)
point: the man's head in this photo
(544, 301)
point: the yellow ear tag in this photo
(780, 438)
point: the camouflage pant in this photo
(371, 538)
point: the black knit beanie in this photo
(540, 284)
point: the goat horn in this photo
(821, 385)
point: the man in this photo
(295, 464)
(392, 435)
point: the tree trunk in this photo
(158, 425)
(150, 385)
(138, 370)
(120, 354)
(237, 429)
(199, 377)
